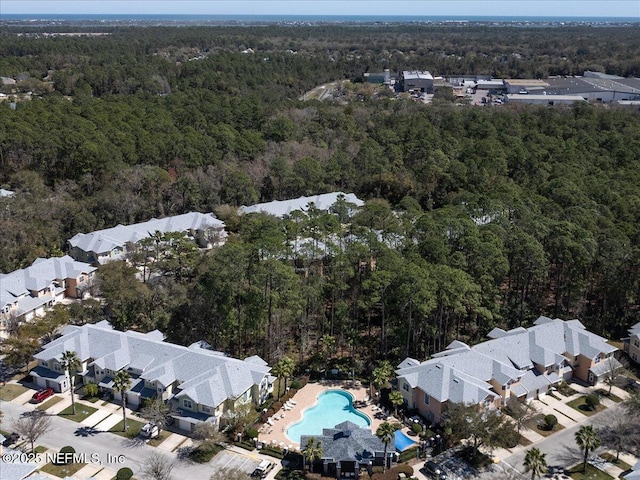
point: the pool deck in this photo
(306, 397)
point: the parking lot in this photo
(230, 460)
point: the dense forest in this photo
(475, 217)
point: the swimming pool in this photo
(333, 407)
(402, 442)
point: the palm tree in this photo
(588, 440)
(288, 367)
(278, 371)
(535, 462)
(326, 345)
(122, 383)
(387, 434)
(312, 452)
(396, 400)
(70, 364)
(284, 368)
(381, 375)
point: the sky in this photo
(542, 8)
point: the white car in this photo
(150, 430)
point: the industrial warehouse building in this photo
(416, 81)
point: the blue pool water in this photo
(333, 407)
(402, 442)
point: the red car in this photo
(42, 394)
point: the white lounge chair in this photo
(293, 402)
(270, 421)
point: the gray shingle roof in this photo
(347, 442)
(15, 286)
(461, 374)
(104, 241)
(15, 470)
(205, 376)
(280, 208)
(635, 329)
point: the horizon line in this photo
(316, 15)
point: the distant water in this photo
(243, 19)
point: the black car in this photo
(11, 439)
(435, 471)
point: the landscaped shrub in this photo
(251, 432)
(392, 473)
(550, 421)
(295, 384)
(592, 401)
(124, 473)
(416, 428)
(407, 454)
(276, 406)
(273, 452)
(64, 450)
(91, 390)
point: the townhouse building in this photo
(523, 363)
(199, 382)
(29, 292)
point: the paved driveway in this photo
(232, 460)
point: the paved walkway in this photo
(88, 471)
(104, 474)
(568, 415)
(95, 418)
(172, 442)
(24, 398)
(108, 423)
(60, 406)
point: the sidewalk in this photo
(108, 423)
(172, 442)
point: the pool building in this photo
(347, 448)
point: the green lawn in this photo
(49, 403)
(82, 412)
(580, 405)
(605, 393)
(565, 390)
(524, 441)
(40, 449)
(10, 391)
(592, 473)
(202, 455)
(62, 471)
(133, 428)
(154, 442)
(537, 424)
(609, 457)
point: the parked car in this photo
(150, 430)
(263, 469)
(42, 394)
(11, 439)
(434, 470)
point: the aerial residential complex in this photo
(281, 208)
(111, 244)
(523, 363)
(197, 380)
(28, 292)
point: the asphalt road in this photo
(561, 447)
(105, 447)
